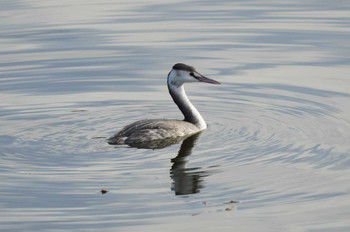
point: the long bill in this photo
(202, 78)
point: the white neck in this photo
(187, 108)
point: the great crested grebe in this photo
(148, 130)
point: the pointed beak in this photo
(202, 78)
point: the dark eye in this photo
(192, 74)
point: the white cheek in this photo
(179, 77)
(174, 82)
(185, 77)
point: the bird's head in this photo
(183, 73)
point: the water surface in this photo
(275, 156)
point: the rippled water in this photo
(275, 156)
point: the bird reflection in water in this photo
(186, 180)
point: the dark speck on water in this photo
(104, 191)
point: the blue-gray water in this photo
(278, 140)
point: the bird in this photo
(151, 133)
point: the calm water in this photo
(276, 154)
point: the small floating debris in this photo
(231, 202)
(104, 191)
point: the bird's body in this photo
(153, 129)
(148, 130)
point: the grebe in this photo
(149, 130)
